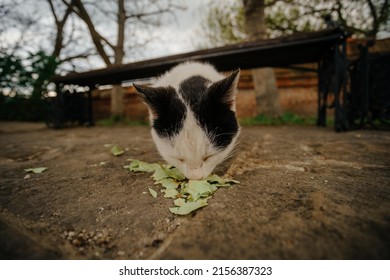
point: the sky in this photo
(178, 35)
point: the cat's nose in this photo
(195, 174)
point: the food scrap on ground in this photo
(117, 151)
(188, 195)
(153, 192)
(36, 169)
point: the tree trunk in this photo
(264, 82)
(117, 96)
(117, 104)
(119, 48)
(267, 96)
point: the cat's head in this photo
(194, 126)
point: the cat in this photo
(192, 112)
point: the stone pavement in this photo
(305, 193)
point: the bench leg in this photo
(339, 87)
(89, 107)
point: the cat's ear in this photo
(145, 92)
(224, 91)
(156, 98)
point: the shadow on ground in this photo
(305, 193)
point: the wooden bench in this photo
(327, 48)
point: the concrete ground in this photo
(305, 193)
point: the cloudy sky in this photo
(178, 35)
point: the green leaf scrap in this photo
(168, 183)
(117, 151)
(153, 192)
(179, 201)
(170, 193)
(140, 166)
(188, 207)
(36, 170)
(160, 173)
(173, 173)
(189, 195)
(198, 188)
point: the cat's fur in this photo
(192, 114)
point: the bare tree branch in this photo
(53, 11)
(383, 15)
(148, 14)
(60, 24)
(97, 39)
(77, 56)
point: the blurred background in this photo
(42, 38)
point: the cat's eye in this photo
(207, 157)
(180, 159)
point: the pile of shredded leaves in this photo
(188, 195)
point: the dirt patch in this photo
(305, 193)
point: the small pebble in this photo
(76, 242)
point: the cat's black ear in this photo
(167, 111)
(224, 91)
(144, 91)
(158, 99)
(153, 97)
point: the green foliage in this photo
(285, 119)
(118, 120)
(44, 67)
(23, 85)
(224, 22)
(189, 195)
(12, 72)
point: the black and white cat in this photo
(192, 114)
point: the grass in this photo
(117, 120)
(285, 119)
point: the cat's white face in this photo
(194, 126)
(191, 150)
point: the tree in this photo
(25, 71)
(142, 13)
(264, 81)
(65, 39)
(235, 21)
(27, 64)
(75, 31)
(14, 26)
(223, 24)
(29, 26)
(362, 18)
(22, 84)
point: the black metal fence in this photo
(70, 106)
(368, 97)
